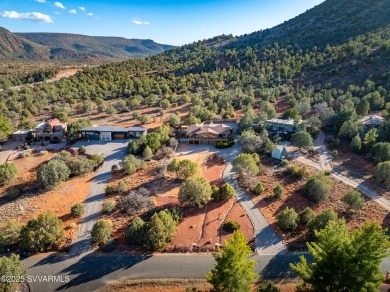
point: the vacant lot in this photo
(271, 175)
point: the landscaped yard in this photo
(200, 229)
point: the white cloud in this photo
(90, 14)
(82, 8)
(59, 5)
(73, 11)
(56, 12)
(139, 22)
(33, 16)
(41, 1)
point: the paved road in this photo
(266, 240)
(114, 152)
(325, 159)
(91, 272)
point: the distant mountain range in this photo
(65, 46)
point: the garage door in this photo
(119, 136)
(92, 136)
(105, 136)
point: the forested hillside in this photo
(330, 84)
(65, 46)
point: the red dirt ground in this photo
(271, 207)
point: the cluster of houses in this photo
(205, 133)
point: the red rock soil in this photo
(199, 225)
(58, 201)
(293, 198)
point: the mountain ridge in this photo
(67, 46)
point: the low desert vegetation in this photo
(183, 169)
(8, 173)
(101, 232)
(195, 191)
(136, 201)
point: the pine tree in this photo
(343, 260)
(233, 270)
(356, 144)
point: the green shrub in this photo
(52, 173)
(8, 173)
(224, 144)
(97, 159)
(176, 213)
(77, 210)
(109, 189)
(147, 153)
(122, 186)
(42, 233)
(354, 200)
(288, 219)
(80, 166)
(317, 188)
(159, 230)
(130, 164)
(215, 192)
(226, 192)
(382, 172)
(10, 233)
(82, 149)
(230, 226)
(285, 162)
(11, 266)
(297, 171)
(115, 168)
(109, 206)
(306, 215)
(195, 191)
(320, 221)
(183, 168)
(268, 286)
(101, 231)
(278, 192)
(259, 189)
(136, 231)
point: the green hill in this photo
(63, 46)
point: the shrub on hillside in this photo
(41, 234)
(97, 159)
(8, 173)
(176, 213)
(121, 187)
(288, 219)
(110, 189)
(230, 226)
(183, 168)
(11, 267)
(297, 171)
(101, 231)
(380, 152)
(317, 188)
(52, 173)
(159, 230)
(136, 201)
(77, 210)
(268, 286)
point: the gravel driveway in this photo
(114, 152)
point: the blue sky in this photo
(172, 22)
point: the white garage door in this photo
(105, 136)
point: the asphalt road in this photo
(90, 272)
(114, 152)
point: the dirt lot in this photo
(200, 227)
(174, 285)
(270, 207)
(31, 202)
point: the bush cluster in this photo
(224, 144)
(230, 226)
(136, 201)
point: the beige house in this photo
(205, 133)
